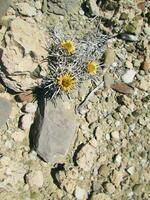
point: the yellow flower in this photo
(69, 46)
(66, 82)
(92, 67)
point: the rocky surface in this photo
(109, 157)
(53, 129)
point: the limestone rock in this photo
(29, 36)
(86, 157)
(27, 10)
(5, 110)
(25, 48)
(53, 129)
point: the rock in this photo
(25, 97)
(91, 116)
(26, 9)
(63, 7)
(80, 193)
(145, 84)
(123, 16)
(67, 179)
(110, 57)
(108, 80)
(29, 36)
(29, 108)
(100, 196)
(145, 65)
(98, 133)
(118, 159)
(128, 37)
(131, 170)
(38, 5)
(93, 7)
(53, 129)
(18, 136)
(25, 121)
(86, 157)
(5, 110)
(122, 88)
(147, 31)
(141, 5)
(25, 48)
(115, 135)
(2, 88)
(104, 170)
(35, 179)
(129, 65)
(129, 76)
(110, 188)
(117, 177)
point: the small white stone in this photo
(80, 193)
(25, 122)
(129, 76)
(118, 159)
(30, 108)
(107, 136)
(81, 12)
(115, 135)
(129, 65)
(131, 170)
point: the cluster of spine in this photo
(71, 61)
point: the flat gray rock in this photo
(53, 130)
(5, 110)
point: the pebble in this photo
(147, 31)
(145, 65)
(115, 135)
(110, 188)
(129, 37)
(81, 12)
(35, 178)
(80, 193)
(86, 157)
(131, 170)
(25, 121)
(108, 80)
(129, 65)
(103, 170)
(144, 85)
(91, 116)
(98, 133)
(122, 88)
(117, 177)
(118, 159)
(27, 10)
(110, 57)
(128, 77)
